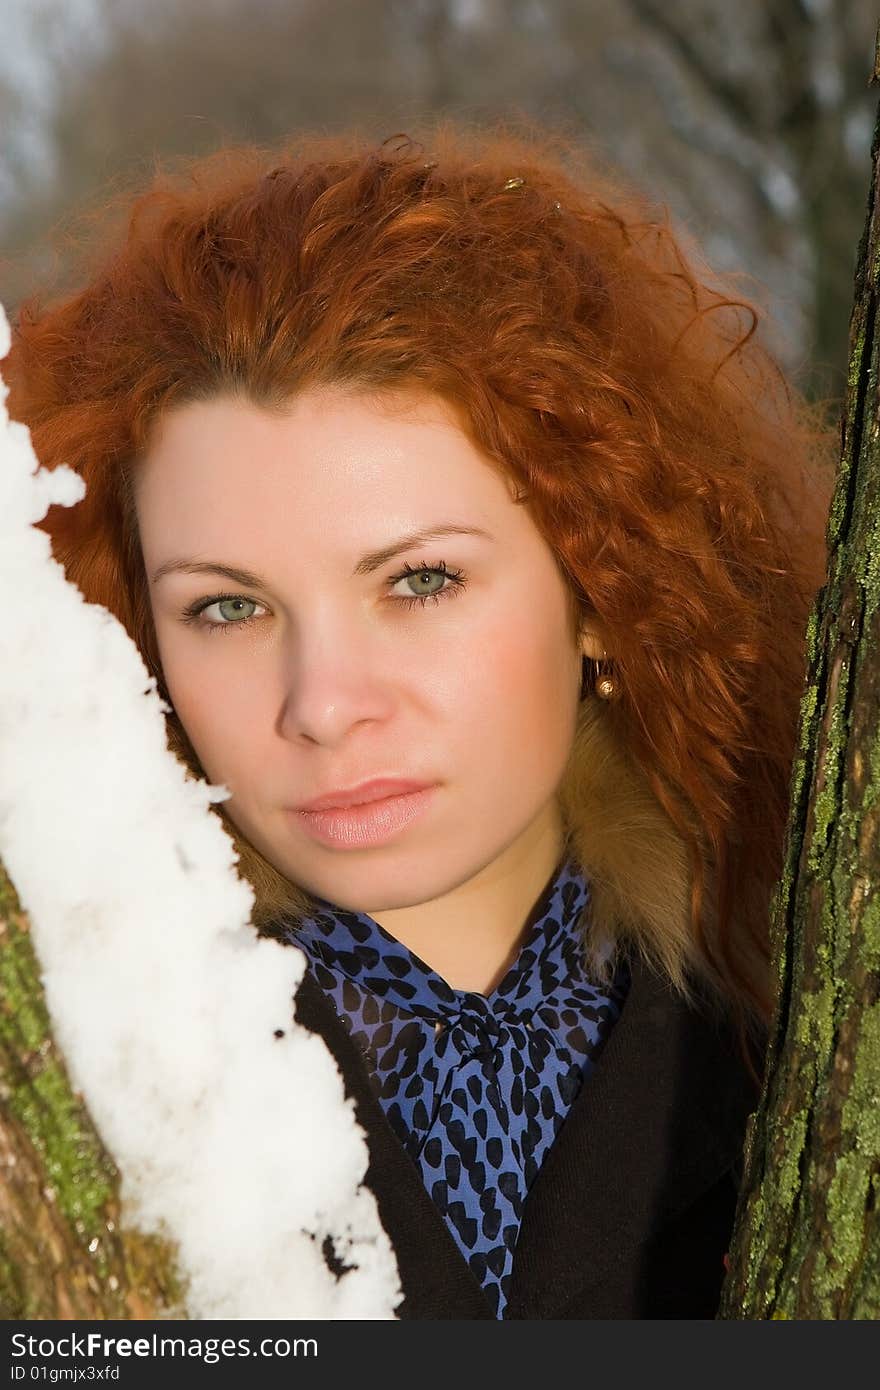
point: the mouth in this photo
(373, 790)
(369, 823)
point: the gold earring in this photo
(604, 685)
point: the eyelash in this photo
(457, 578)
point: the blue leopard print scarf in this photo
(475, 1086)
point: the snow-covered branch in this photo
(227, 1121)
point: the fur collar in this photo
(636, 860)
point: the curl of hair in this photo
(681, 482)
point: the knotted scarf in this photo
(475, 1086)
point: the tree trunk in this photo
(62, 1251)
(807, 1237)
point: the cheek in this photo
(215, 709)
(522, 687)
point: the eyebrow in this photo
(373, 559)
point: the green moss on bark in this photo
(63, 1252)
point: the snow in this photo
(231, 1141)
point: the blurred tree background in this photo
(752, 121)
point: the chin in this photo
(377, 889)
(382, 882)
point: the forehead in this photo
(349, 458)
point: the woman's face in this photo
(323, 669)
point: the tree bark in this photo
(807, 1239)
(63, 1253)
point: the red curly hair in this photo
(681, 482)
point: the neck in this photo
(472, 934)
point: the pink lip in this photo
(368, 823)
(367, 791)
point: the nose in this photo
(331, 684)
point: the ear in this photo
(592, 644)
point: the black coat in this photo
(631, 1213)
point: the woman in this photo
(525, 838)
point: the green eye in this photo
(428, 582)
(231, 612)
(424, 579)
(235, 613)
